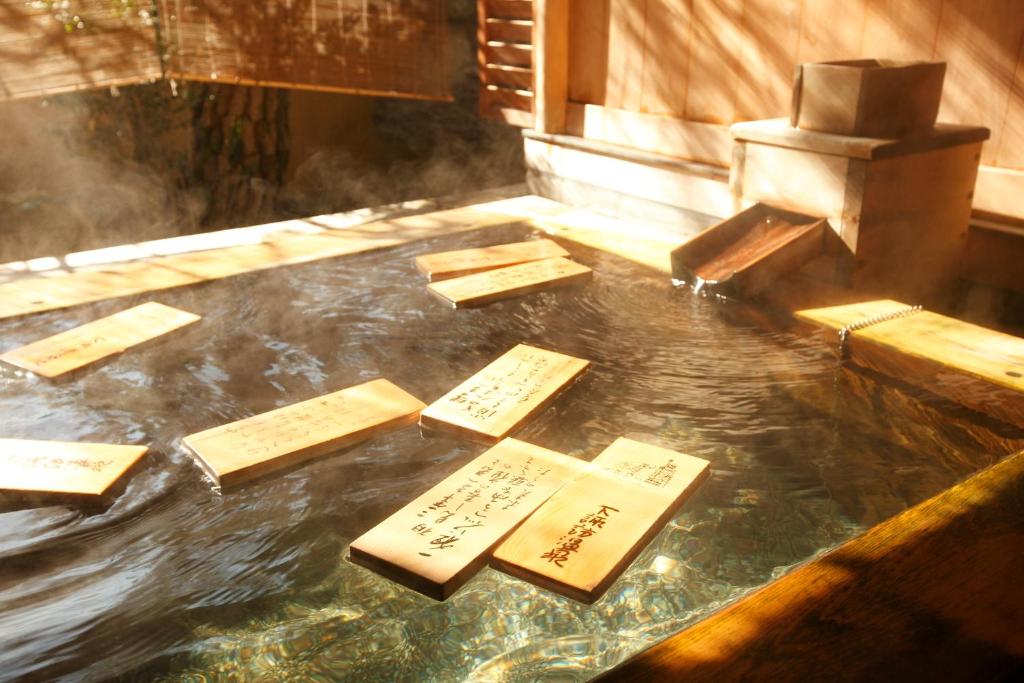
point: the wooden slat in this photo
(493, 97)
(901, 30)
(877, 607)
(513, 54)
(441, 539)
(587, 533)
(508, 30)
(509, 9)
(831, 30)
(88, 343)
(249, 448)
(503, 283)
(449, 264)
(980, 368)
(514, 77)
(494, 402)
(82, 469)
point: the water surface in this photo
(173, 581)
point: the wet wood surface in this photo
(82, 469)
(285, 247)
(441, 539)
(586, 534)
(494, 402)
(977, 367)
(933, 593)
(88, 343)
(249, 448)
(503, 283)
(449, 264)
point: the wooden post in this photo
(550, 64)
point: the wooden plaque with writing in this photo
(60, 467)
(495, 401)
(252, 447)
(502, 283)
(441, 539)
(94, 341)
(449, 264)
(587, 533)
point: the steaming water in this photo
(173, 581)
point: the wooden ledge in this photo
(778, 132)
(935, 593)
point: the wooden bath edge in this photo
(933, 593)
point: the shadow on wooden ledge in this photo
(935, 593)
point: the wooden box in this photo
(901, 207)
(867, 97)
(749, 251)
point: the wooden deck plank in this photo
(586, 534)
(491, 404)
(441, 539)
(93, 341)
(237, 452)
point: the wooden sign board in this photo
(449, 264)
(587, 533)
(249, 448)
(498, 399)
(977, 367)
(59, 467)
(502, 283)
(99, 339)
(438, 541)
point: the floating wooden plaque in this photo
(495, 401)
(59, 467)
(438, 541)
(502, 283)
(586, 534)
(449, 264)
(252, 447)
(977, 367)
(99, 339)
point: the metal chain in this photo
(844, 332)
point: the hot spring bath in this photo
(175, 581)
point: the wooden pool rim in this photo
(934, 593)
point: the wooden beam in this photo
(877, 607)
(551, 64)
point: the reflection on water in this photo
(173, 581)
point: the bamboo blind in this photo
(378, 47)
(375, 47)
(46, 48)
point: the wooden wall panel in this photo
(588, 50)
(714, 66)
(831, 30)
(667, 57)
(1010, 152)
(626, 39)
(980, 42)
(771, 38)
(905, 29)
